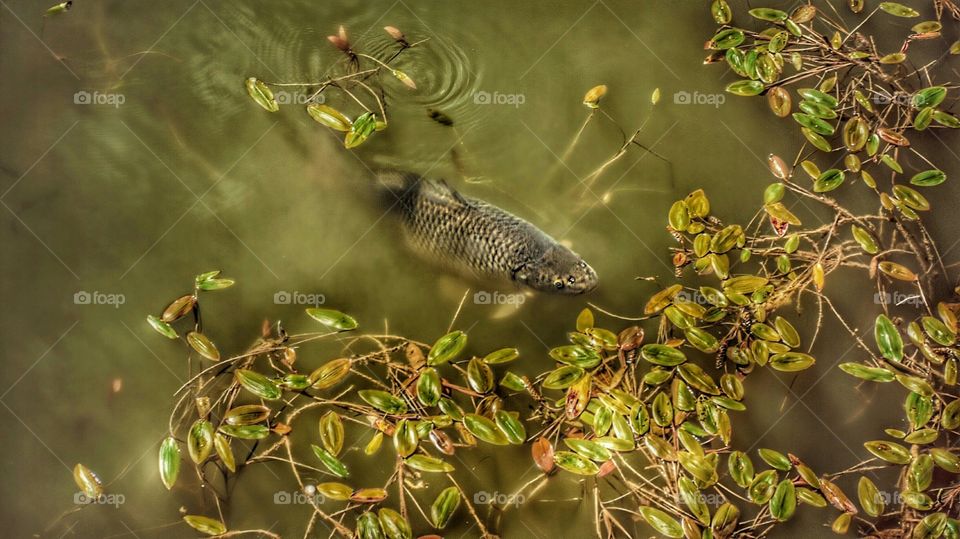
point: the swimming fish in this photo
(481, 240)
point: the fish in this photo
(480, 240)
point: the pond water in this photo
(133, 159)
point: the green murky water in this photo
(132, 159)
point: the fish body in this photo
(481, 240)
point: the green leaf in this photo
(333, 319)
(661, 521)
(205, 525)
(362, 128)
(162, 327)
(898, 9)
(928, 178)
(444, 506)
(258, 384)
(261, 94)
(660, 354)
(329, 116)
(888, 339)
(447, 348)
(745, 88)
(169, 462)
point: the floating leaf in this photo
(783, 504)
(332, 319)
(447, 348)
(205, 525)
(393, 524)
(727, 39)
(593, 96)
(162, 327)
(200, 440)
(503, 355)
(245, 432)
(870, 497)
(873, 374)
(828, 180)
(888, 339)
(203, 345)
(329, 116)
(258, 384)
(661, 521)
(745, 88)
(88, 482)
(898, 9)
(791, 361)
(363, 126)
(484, 429)
(331, 462)
(511, 426)
(261, 94)
(331, 432)
(169, 462)
(222, 444)
(383, 401)
(330, 373)
(444, 506)
(660, 354)
(928, 178)
(888, 451)
(178, 308)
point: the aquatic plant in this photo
(646, 423)
(354, 84)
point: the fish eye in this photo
(571, 279)
(558, 283)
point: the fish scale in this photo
(479, 239)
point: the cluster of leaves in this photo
(352, 84)
(646, 421)
(864, 108)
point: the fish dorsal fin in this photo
(442, 189)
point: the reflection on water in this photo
(187, 174)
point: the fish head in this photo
(559, 271)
